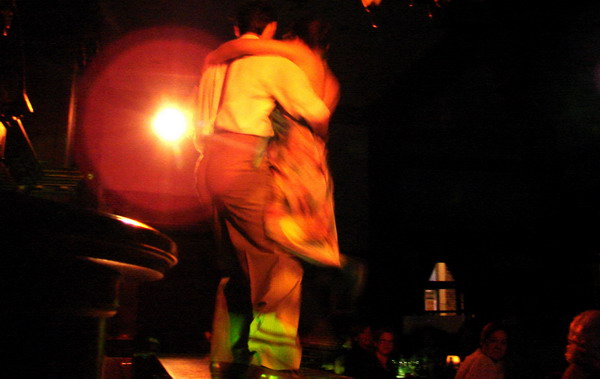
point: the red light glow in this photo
(135, 174)
(170, 124)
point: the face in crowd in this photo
(364, 339)
(385, 343)
(494, 346)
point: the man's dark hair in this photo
(254, 15)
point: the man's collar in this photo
(249, 36)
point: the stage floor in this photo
(196, 367)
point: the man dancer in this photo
(255, 327)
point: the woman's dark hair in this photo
(490, 329)
(315, 32)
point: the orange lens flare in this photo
(170, 124)
(132, 136)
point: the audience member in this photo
(362, 339)
(487, 361)
(378, 364)
(583, 348)
(357, 347)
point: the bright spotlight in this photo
(170, 124)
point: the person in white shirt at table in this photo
(487, 361)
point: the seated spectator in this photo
(583, 348)
(359, 346)
(362, 339)
(487, 361)
(379, 363)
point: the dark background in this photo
(467, 133)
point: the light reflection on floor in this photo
(186, 367)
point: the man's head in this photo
(257, 17)
(384, 342)
(363, 337)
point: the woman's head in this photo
(494, 340)
(315, 32)
(584, 340)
